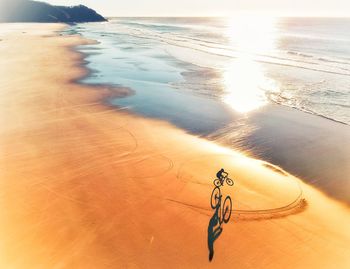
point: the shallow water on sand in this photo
(219, 68)
(221, 77)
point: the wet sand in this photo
(84, 185)
(306, 145)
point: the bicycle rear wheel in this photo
(217, 182)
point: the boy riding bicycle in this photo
(221, 174)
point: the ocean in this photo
(202, 73)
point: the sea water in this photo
(202, 73)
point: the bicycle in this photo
(220, 182)
(224, 212)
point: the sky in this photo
(213, 7)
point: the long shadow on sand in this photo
(221, 215)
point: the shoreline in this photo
(86, 186)
(306, 145)
(254, 143)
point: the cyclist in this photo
(221, 174)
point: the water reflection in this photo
(244, 79)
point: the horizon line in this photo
(228, 16)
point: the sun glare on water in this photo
(244, 79)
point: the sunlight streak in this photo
(244, 79)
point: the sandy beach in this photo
(306, 145)
(85, 185)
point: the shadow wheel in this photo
(227, 209)
(215, 198)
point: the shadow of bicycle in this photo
(222, 214)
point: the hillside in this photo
(33, 11)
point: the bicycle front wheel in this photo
(229, 181)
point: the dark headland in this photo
(33, 11)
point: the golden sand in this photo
(83, 185)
